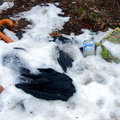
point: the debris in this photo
(102, 26)
(88, 47)
(48, 84)
(1, 2)
(95, 10)
(1, 88)
(114, 37)
(108, 56)
(64, 60)
(54, 34)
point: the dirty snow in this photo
(6, 5)
(96, 81)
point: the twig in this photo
(117, 4)
(17, 104)
(83, 15)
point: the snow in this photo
(115, 48)
(96, 81)
(6, 5)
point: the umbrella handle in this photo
(11, 24)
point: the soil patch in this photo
(95, 15)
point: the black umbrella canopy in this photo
(1, 2)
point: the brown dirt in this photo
(94, 15)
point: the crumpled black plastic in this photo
(61, 39)
(64, 60)
(48, 84)
(1, 2)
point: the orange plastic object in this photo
(11, 24)
(1, 88)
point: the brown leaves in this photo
(89, 14)
(54, 34)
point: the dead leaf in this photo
(1, 88)
(54, 34)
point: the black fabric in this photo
(61, 39)
(19, 48)
(48, 85)
(64, 60)
(19, 34)
(1, 2)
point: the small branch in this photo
(17, 104)
(117, 4)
